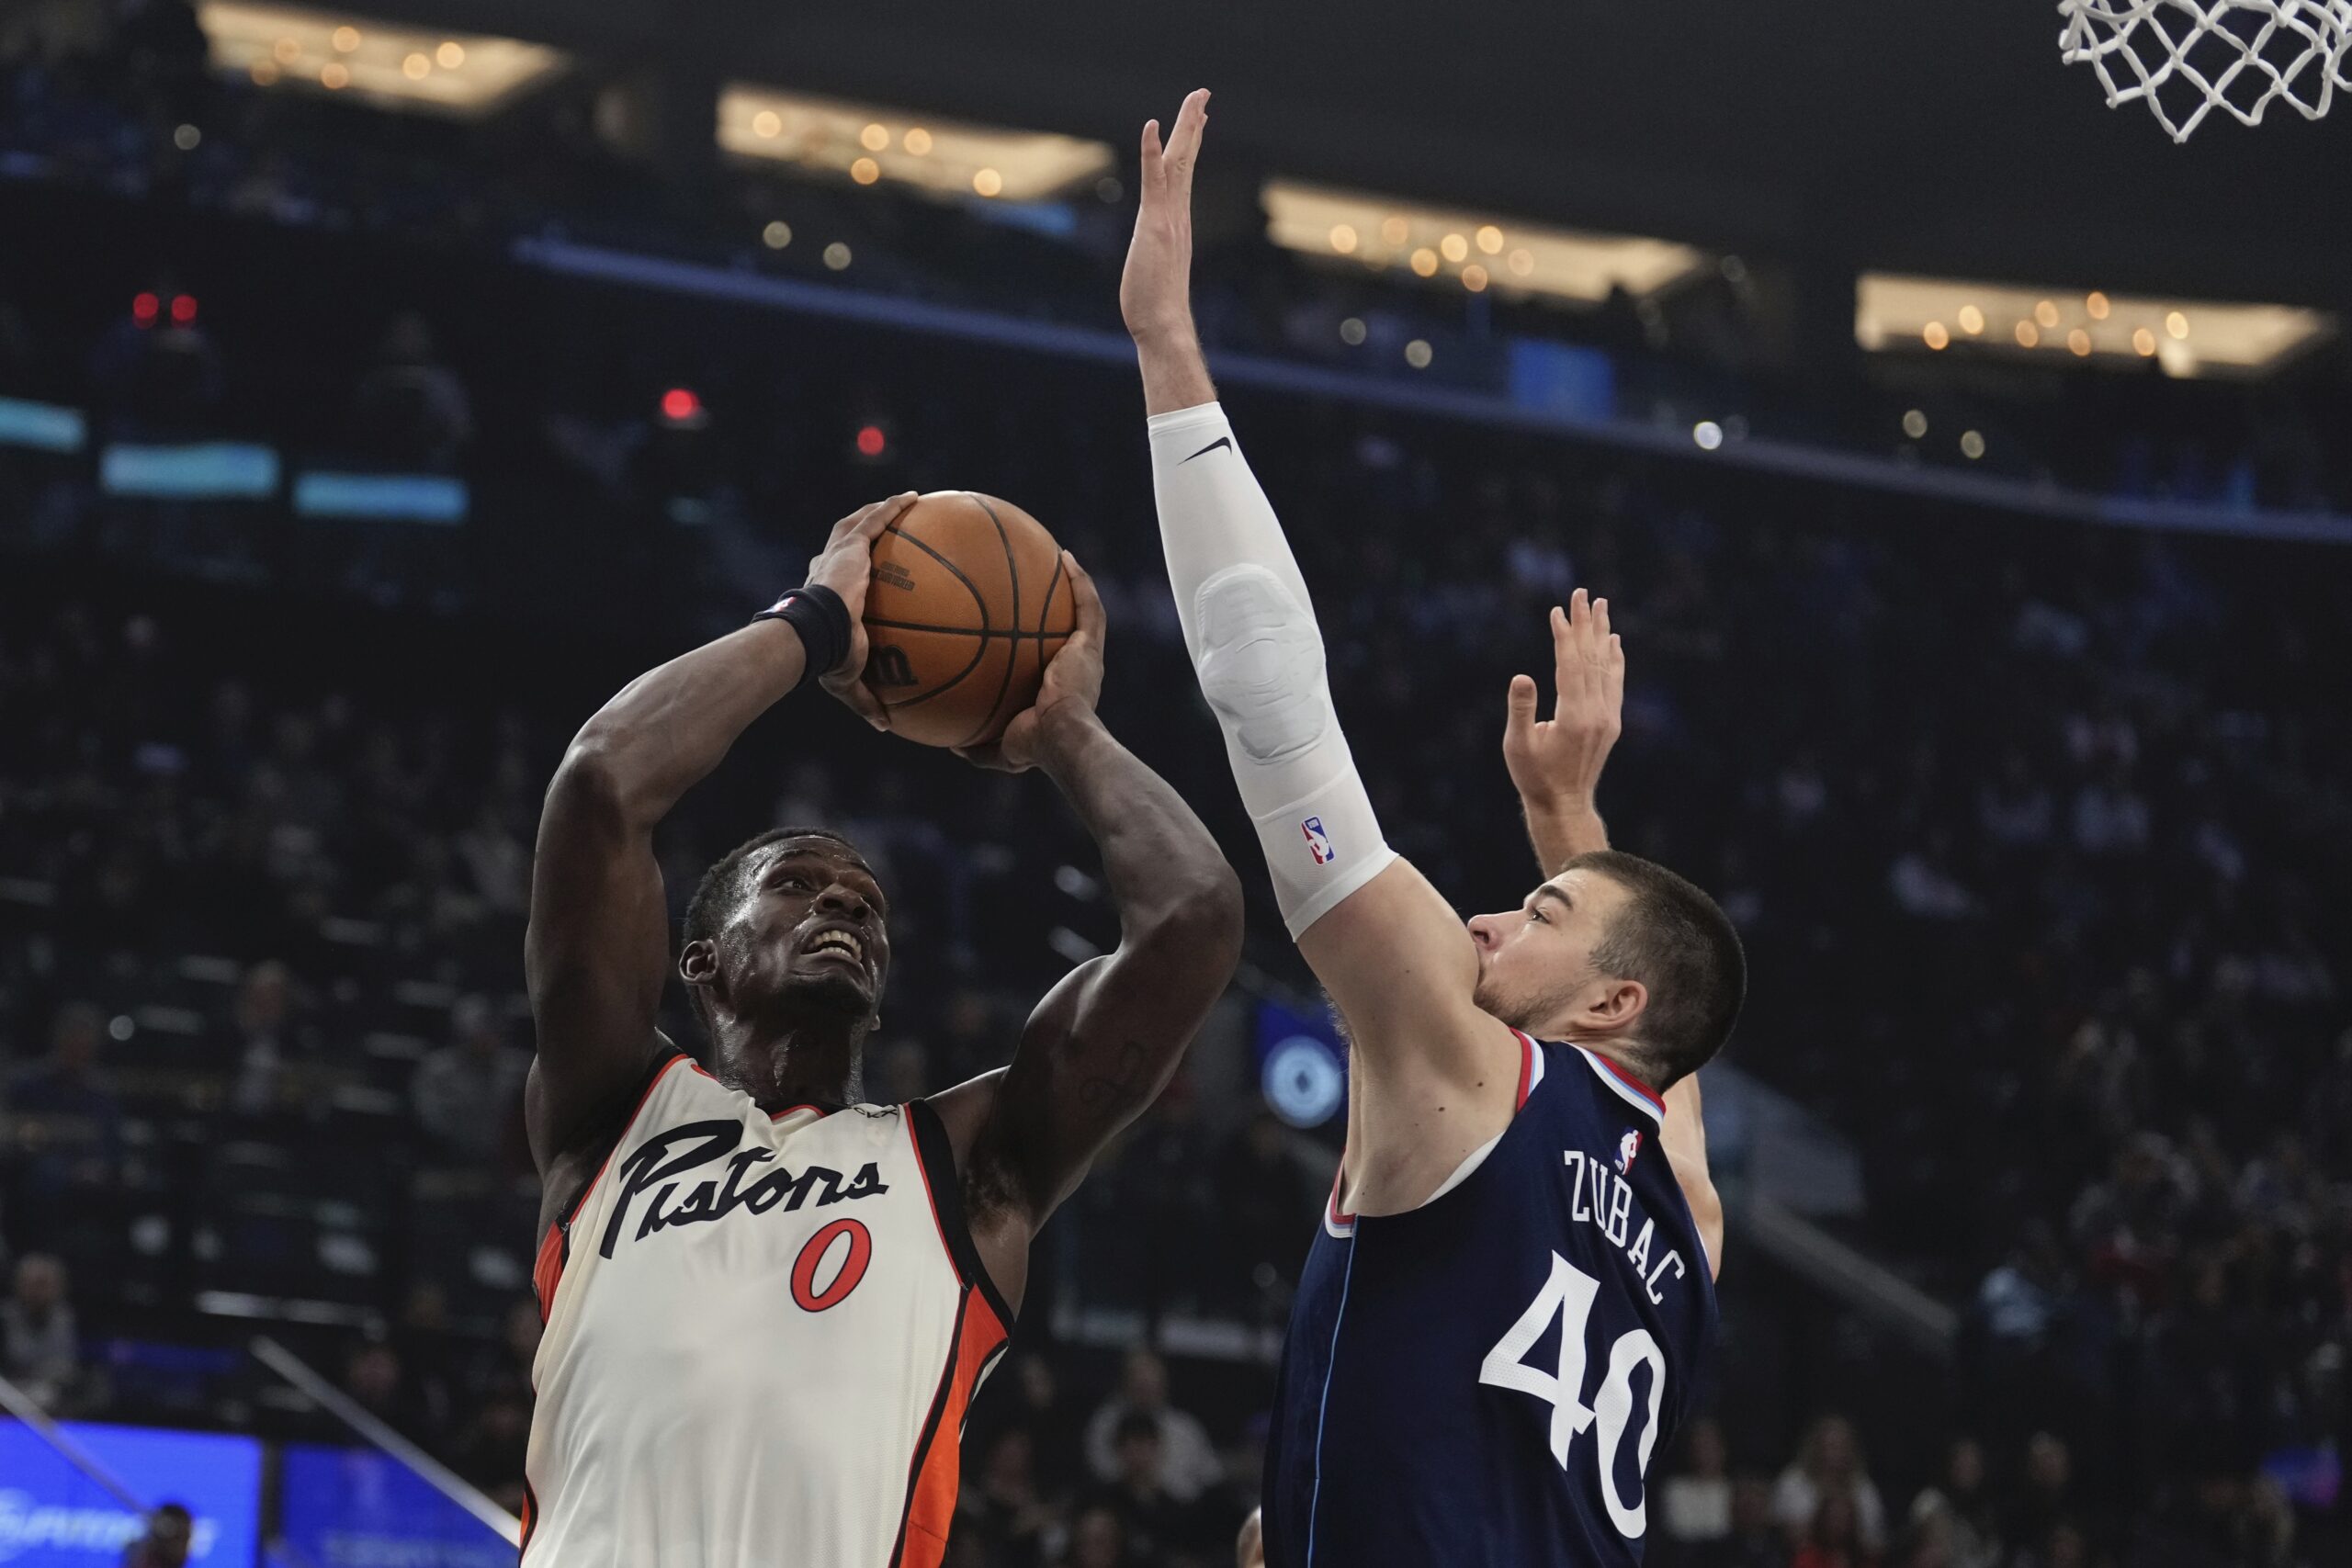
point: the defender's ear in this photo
(1611, 1007)
(698, 962)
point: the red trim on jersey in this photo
(805, 1105)
(1338, 1177)
(1526, 1070)
(530, 1519)
(937, 1470)
(1629, 1082)
(555, 1247)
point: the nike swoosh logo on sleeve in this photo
(1223, 441)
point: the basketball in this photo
(968, 601)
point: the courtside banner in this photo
(358, 1508)
(52, 1516)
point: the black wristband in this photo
(816, 612)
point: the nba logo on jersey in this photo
(1318, 843)
(1628, 1147)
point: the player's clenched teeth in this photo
(837, 942)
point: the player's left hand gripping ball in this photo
(1072, 685)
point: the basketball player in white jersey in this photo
(767, 1303)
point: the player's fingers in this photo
(1090, 618)
(1518, 720)
(1566, 668)
(1617, 658)
(861, 700)
(1153, 164)
(1601, 619)
(1184, 137)
(881, 515)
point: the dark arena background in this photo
(1968, 465)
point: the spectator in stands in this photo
(1188, 1462)
(1694, 1506)
(375, 1377)
(410, 408)
(171, 1530)
(1034, 1403)
(1097, 1541)
(38, 1344)
(2043, 1501)
(66, 1127)
(1962, 1502)
(1830, 1464)
(1002, 1506)
(266, 1041)
(1755, 1540)
(1159, 1529)
(465, 1092)
(1832, 1538)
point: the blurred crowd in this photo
(2037, 834)
(123, 100)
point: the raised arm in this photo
(597, 950)
(1556, 763)
(1103, 1043)
(1392, 953)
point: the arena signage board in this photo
(358, 1508)
(52, 1516)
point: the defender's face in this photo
(1534, 959)
(813, 927)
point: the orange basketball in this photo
(968, 601)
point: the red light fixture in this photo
(679, 404)
(184, 310)
(872, 441)
(144, 307)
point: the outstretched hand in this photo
(1072, 685)
(1156, 289)
(1556, 763)
(847, 566)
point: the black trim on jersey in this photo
(930, 1422)
(662, 1061)
(938, 1153)
(530, 1520)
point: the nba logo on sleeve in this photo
(1318, 843)
(1628, 1147)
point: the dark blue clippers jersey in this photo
(1482, 1382)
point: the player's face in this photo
(1535, 961)
(813, 929)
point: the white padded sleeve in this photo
(1251, 630)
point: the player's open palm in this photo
(847, 566)
(1156, 289)
(1558, 760)
(1071, 688)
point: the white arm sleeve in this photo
(1251, 630)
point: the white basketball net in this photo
(2186, 58)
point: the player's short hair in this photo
(1681, 946)
(721, 888)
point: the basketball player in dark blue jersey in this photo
(1508, 1303)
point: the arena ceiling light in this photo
(2186, 337)
(1475, 251)
(387, 64)
(868, 144)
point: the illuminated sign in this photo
(52, 1516)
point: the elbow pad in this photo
(1257, 652)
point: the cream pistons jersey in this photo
(762, 1332)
